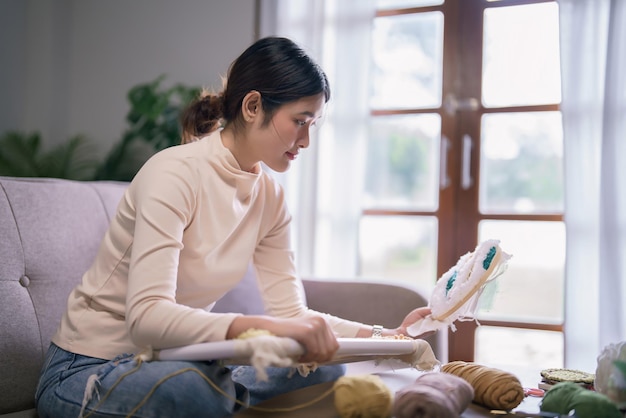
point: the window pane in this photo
(521, 55)
(502, 347)
(531, 289)
(402, 4)
(521, 168)
(399, 248)
(407, 52)
(403, 162)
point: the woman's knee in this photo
(152, 389)
(281, 380)
(197, 389)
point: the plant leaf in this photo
(73, 159)
(19, 154)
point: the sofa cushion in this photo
(245, 298)
(50, 231)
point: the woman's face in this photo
(279, 142)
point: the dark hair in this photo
(275, 67)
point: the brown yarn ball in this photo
(493, 388)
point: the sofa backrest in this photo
(50, 231)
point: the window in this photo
(465, 143)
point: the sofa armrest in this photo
(370, 302)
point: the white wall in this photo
(70, 63)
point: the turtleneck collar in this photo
(230, 170)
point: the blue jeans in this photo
(153, 389)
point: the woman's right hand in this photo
(312, 332)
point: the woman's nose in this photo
(304, 141)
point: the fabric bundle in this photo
(493, 388)
(433, 395)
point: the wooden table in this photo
(394, 377)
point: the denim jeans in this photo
(152, 389)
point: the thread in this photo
(362, 396)
(567, 396)
(433, 395)
(359, 396)
(117, 382)
(493, 388)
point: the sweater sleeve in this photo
(165, 198)
(281, 288)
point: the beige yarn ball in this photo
(362, 396)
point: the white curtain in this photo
(593, 59)
(324, 185)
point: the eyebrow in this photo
(311, 114)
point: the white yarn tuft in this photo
(268, 351)
(90, 388)
(146, 355)
(422, 358)
(304, 369)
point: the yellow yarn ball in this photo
(362, 396)
(252, 333)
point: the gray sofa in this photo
(50, 230)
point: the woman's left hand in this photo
(414, 316)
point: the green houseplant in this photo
(22, 155)
(152, 125)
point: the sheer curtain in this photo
(324, 185)
(593, 56)
(593, 53)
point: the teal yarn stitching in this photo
(486, 263)
(489, 258)
(450, 283)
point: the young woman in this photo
(185, 231)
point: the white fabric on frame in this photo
(337, 35)
(593, 60)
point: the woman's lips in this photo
(291, 156)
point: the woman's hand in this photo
(314, 334)
(414, 316)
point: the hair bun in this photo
(203, 116)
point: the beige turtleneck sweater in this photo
(183, 235)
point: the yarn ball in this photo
(362, 396)
(493, 388)
(433, 395)
(566, 396)
(559, 397)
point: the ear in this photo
(251, 105)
